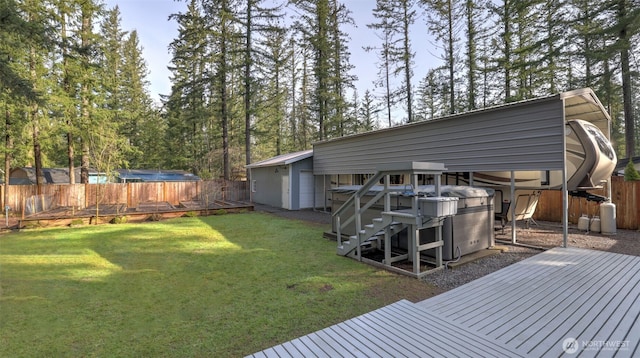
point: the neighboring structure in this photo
(154, 175)
(285, 181)
(27, 176)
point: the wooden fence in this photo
(81, 196)
(626, 196)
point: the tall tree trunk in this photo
(471, 55)
(304, 111)
(387, 80)
(66, 83)
(247, 90)
(8, 143)
(407, 60)
(293, 114)
(33, 113)
(507, 50)
(629, 124)
(224, 113)
(451, 59)
(84, 100)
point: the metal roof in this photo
(578, 104)
(150, 175)
(283, 159)
(524, 135)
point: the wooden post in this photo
(86, 196)
(164, 191)
(128, 195)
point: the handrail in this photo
(354, 201)
(360, 192)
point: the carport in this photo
(520, 136)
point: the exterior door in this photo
(306, 189)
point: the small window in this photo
(253, 186)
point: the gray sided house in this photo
(285, 181)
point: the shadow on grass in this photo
(216, 286)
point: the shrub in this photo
(33, 225)
(154, 217)
(630, 172)
(76, 222)
(190, 214)
(118, 220)
(219, 212)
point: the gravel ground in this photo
(542, 235)
(451, 278)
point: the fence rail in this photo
(626, 196)
(80, 196)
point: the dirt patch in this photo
(394, 287)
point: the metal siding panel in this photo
(527, 136)
(268, 186)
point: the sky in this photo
(155, 31)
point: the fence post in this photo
(128, 194)
(86, 196)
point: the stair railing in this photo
(355, 202)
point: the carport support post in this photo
(565, 208)
(513, 207)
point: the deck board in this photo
(527, 309)
(588, 295)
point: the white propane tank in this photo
(583, 223)
(595, 225)
(608, 218)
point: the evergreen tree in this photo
(258, 25)
(630, 172)
(189, 118)
(442, 19)
(138, 125)
(368, 113)
(319, 23)
(395, 18)
(386, 29)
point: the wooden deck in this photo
(565, 301)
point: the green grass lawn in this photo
(216, 286)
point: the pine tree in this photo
(368, 113)
(395, 17)
(137, 106)
(385, 28)
(259, 24)
(319, 22)
(189, 118)
(630, 172)
(442, 20)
